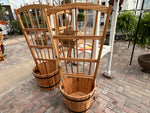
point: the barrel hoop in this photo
(77, 100)
(47, 77)
(79, 111)
(50, 86)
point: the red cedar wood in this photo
(75, 6)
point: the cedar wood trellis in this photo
(58, 38)
(34, 29)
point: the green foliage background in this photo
(143, 36)
(126, 23)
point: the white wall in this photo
(129, 4)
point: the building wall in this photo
(129, 4)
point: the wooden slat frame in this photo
(85, 6)
(78, 37)
(40, 53)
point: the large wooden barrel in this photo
(78, 94)
(48, 81)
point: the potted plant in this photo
(143, 40)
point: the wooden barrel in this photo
(48, 81)
(78, 94)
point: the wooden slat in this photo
(79, 59)
(61, 20)
(64, 27)
(63, 54)
(41, 46)
(33, 6)
(77, 75)
(61, 12)
(36, 29)
(85, 6)
(93, 42)
(79, 37)
(57, 24)
(69, 54)
(44, 59)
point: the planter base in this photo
(49, 81)
(144, 61)
(145, 71)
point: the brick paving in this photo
(127, 92)
(16, 53)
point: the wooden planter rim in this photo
(78, 98)
(47, 74)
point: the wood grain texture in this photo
(85, 6)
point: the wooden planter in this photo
(48, 81)
(144, 61)
(78, 96)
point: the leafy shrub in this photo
(143, 35)
(80, 17)
(2, 9)
(81, 10)
(126, 23)
(15, 27)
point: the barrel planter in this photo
(77, 95)
(48, 81)
(144, 61)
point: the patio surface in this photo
(127, 92)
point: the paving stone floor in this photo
(127, 92)
(16, 53)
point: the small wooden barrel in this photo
(48, 81)
(78, 94)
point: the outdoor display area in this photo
(68, 51)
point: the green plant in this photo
(66, 2)
(80, 17)
(15, 27)
(81, 10)
(143, 35)
(126, 23)
(27, 18)
(2, 9)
